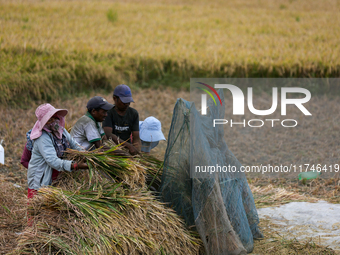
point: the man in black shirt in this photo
(122, 121)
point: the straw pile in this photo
(104, 210)
(270, 195)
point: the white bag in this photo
(2, 153)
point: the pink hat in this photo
(44, 112)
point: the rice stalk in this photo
(104, 219)
(118, 168)
(269, 195)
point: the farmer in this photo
(50, 140)
(122, 122)
(27, 154)
(88, 131)
(150, 133)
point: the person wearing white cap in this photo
(150, 133)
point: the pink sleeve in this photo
(26, 156)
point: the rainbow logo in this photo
(209, 93)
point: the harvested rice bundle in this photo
(153, 168)
(104, 219)
(130, 170)
(151, 165)
(114, 167)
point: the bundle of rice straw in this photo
(104, 210)
(115, 167)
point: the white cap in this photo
(151, 130)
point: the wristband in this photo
(75, 166)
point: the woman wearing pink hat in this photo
(50, 140)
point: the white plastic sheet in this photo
(2, 154)
(302, 220)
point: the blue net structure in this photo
(220, 206)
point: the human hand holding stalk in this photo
(81, 165)
(134, 149)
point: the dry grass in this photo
(280, 191)
(270, 196)
(51, 48)
(12, 213)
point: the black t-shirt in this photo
(122, 126)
